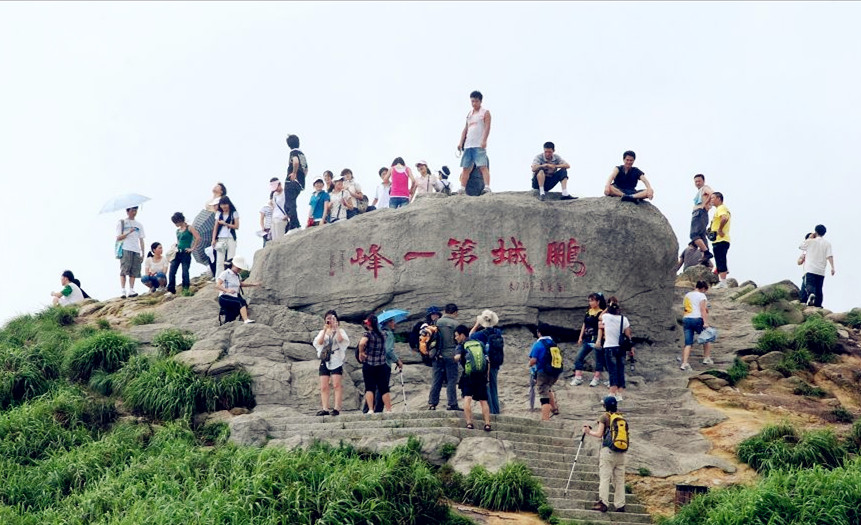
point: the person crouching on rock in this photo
(471, 354)
(229, 286)
(331, 345)
(375, 371)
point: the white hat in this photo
(240, 263)
(487, 319)
(210, 252)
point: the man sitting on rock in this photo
(623, 181)
(548, 169)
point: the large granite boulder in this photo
(527, 260)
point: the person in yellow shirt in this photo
(720, 225)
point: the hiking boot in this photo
(542, 197)
(811, 299)
(454, 407)
(621, 509)
(595, 382)
(599, 506)
(707, 255)
(567, 198)
(431, 407)
(685, 366)
(708, 361)
(577, 381)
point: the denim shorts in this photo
(692, 326)
(476, 156)
(397, 202)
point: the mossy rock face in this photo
(792, 314)
(771, 293)
(697, 273)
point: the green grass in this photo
(172, 341)
(812, 496)
(104, 351)
(512, 487)
(853, 440)
(772, 340)
(738, 371)
(807, 390)
(766, 320)
(644, 472)
(59, 315)
(768, 296)
(142, 318)
(447, 450)
(103, 324)
(781, 446)
(841, 415)
(853, 318)
(817, 335)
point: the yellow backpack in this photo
(617, 433)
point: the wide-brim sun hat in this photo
(240, 263)
(487, 319)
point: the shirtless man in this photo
(473, 142)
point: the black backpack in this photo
(495, 347)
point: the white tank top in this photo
(474, 128)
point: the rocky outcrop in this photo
(526, 260)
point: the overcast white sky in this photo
(165, 99)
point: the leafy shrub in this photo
(644, 472)
(738, 371)
(103, 324)
(59, 315)
(545, 511)
(794, 360)
(765, 297)
(213, 434)
(453, 482)
(817, 335)
(782, 447)
(513, 487)
(809, 391)
(772, 340)
(853, 318)
(766, 320)
(447, 451)
(142, 318)
(104, 351)
(841, 415)
(101, 382)
(172, 341)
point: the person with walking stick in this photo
(613, 431)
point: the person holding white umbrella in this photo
(131, 233)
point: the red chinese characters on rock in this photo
(564, 254)
(373, 260)
(516, 254)
(462, 252)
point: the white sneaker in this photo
(685, 366)
(618, 397)
(168, 294)
(595, 382)
(811, 299)
(606, 383)
(486, 190)
(722, 284)
(577, 381)
(249, 321)
(708, 361)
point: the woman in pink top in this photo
(402, 183)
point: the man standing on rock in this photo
(700, 215)
(548, 169)
(131, 233)
(818, 256)
(720, 225)
(623, 181)
(473, 142)
(279, 209)
(611, 463)
(445, 367)
(297, 170)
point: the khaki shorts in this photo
(544, 383)
(130, 264)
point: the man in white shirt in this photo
(817, 259)
(131, 233)
(548, 169)
(381, 200)
(473, 142)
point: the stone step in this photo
(582, 495)
(590, 487)
(584, 465)
(529, 454)
(586, 504)
(562, 473)
(593, 516)
(422, 414)
(373, 424)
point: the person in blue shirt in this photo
(546, 377)
(317, 212)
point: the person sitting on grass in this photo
(471, 354)
(71, 292)
(229, 286)
(623, 181)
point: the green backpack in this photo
(476, 359)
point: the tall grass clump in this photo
(853, 318)
(768, 296)
(59, 315)
(772, 340)
(39, 330)
(815, 495)
(513, 487)
(142, 319)
(817, 335)
(766, 320)
(738, 371)
(104, 351)
(781, 446)
(172, 341)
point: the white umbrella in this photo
(129, 200)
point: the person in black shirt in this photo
(623, 181)
(297, 169)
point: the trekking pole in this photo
(403, 389)
(582, 438)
